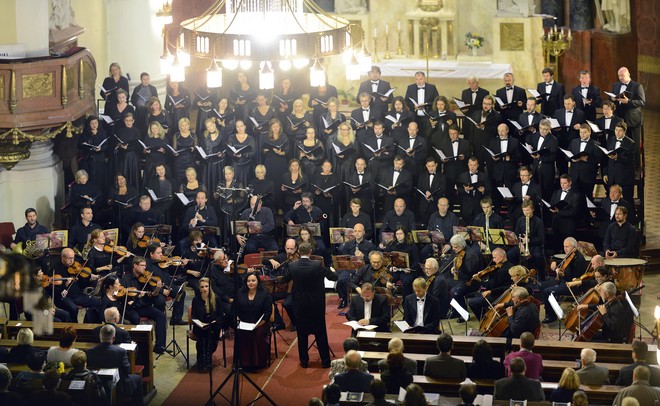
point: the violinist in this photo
(112, 297)
(465, 265)
(493, 281)
(143, 303)
(171, 288)
(101, 254)
(402, 243)
(599, 275)
(617, 316)
(374, 272)
(191, 253)
(573, 266)
(264, 239)
(436, 285)
(522, 314)
(369, 308)
(71, 294)
(222, 283)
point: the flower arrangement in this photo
(473, 40)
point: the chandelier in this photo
(270, 33)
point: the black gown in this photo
(185, 146)
(110, 85)
(254, 345)
(310, 157)
(204, 101)
(260, 130)
(128, 161)
(212, 166)
(173, 103)
(264, 188)
(236, 94)
(93, 161)
(276, 164)
(243, 160)
(343, 159)
(296, 127)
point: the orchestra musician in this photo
(79, 232)
(494, 281)
(144, 304)
(171, 288)
(402, 242)
(420, 310)
(617, 316)
(522, 314)
(472, 186)
(264, 239)
(601, 274)
(359, 246)
(573, 266)
(279, 265)
(489, 218)
(101, 259)
(191, 253)
(222, 283)
(621, 237)
(465, 265)
(374, 272)
(437, 286)
(531, 234)
(442, 220)
(200, 215)
(369, 308)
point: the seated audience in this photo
(468, 393)
(518, 386)
(444, 366)
(640, 388)
(7, 397)
(332, 394)
(353, 380)
(393, 346)
(590, 373)
(396, 376)
(483, 366)
(533, 362)
(640, 352)
(65, 350)
(94, 389)
(21, 352)
(568, 384)
(49, 395)
(414, 396)
(338, 366)
(35, 364)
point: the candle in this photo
(569, 34)
(398, 25)
(375, 33)
(555, 28)
(387, 28)
(562, 30)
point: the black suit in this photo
(365, 192)
(607, 125)
(121, 335)
(566, 133)
(565, 222)
(544, 167)
(439, 289)
(470, 201)
(550, 101)
(631, 112)
(622, 170)
(420, 147)
(440, 131)
(402, 187)
(432, 315)
(453, 167)
(518, 387)
(382, 87)
(430, 94)
(593, 94)
(533, 191)
(626, 374)
(466, 97)
(354, 380)
(503, 172)
(525, 318)
(583, 173)
(384, 158)
(364, 128)
(107, 355)
(380, 312)
(482, 137)
(309, 305)
(511, 110)
(436, 188)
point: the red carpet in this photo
(285, 382)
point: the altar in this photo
(443, 69)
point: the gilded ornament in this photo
(512, 37)
(37, 85)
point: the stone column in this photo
(35, 182)
(553, 8)
(581, 15)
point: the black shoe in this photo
(304, 364)
(159, 350)
(342, 304)
(548, 320)
(177, 322)
(460, 320)
(278, 326)
(325, 365)
(292, 328)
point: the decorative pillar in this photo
(581, 15)
(553, 8)
(34, 182)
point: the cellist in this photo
(617, 316)
(522, 316)
(573, 266)
(494, 281)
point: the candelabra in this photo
(387, 42)
(399, 50)
(555, 44)
(375, 56)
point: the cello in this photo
(593, 323)
(492, 314)
(501, 322)
(591, 296)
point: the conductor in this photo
(309, 303)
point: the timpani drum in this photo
(628, 271)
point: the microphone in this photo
(128, 76)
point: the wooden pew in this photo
(143, 338)
(552, 369)
(463, 345)
(597, 394)
(83, 346)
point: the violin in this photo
(479, 275)
(166, 262)
(458, 263)
(149, 278)
(382, 275)
(55, 280)
(145, 241)
(122, 291)
(79, 270)
(117, 249)
(561, 269)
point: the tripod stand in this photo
(236, 370)
(176, 348)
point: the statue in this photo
(617, 15)
(61, 15)
(515, 8)
(351, 6)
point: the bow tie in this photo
(584, 140)
(584, 88)
(420, 87)
(374, 82)
(525, 184)
(617, 202)
(504, 139)
(454, 141)
(474, 91)
(412, 138)
(473, 174)
(367, 110)
(420, 300)
(360, 173)
(397, 171)
(509, 88)
(569, 112)
(431, 173)
(531, 114)
(549, 84)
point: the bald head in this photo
(68, 256)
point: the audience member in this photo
(353, 380)
(396, 376)
(483, 366)
(414, 396)
(468, 393)
(444, 366)
(21, 352)
(533, 362)
(639, 353)
(640, 388)
(338, 366)
(332, 394)
(568, 384)
(49, 395)
(7, 397)
(65, 350)
(580, 398)
(393, 346)
(518, 386)
(590, 373)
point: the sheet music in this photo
(460, 103)
(534, 93)
(249, 326)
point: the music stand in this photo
(496, 236)
(463, 232)
(428, 237)
(247, 227)
(386, 237)
(398, 259)
(347, 262)
(176, 348)
(510, 238)
(341, 235)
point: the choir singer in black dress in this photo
(207, 319)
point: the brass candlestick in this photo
(555, 44)
(399, 50)
(375, 56)
(387, 46)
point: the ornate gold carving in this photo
(70, 78)
(2, 87)
(512, 37)
(12, 93)
(648, 64)
(65, 86)
(81, 80)
(38, 84)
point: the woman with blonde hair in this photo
(207, 317)
(212, 163)
(568, 384)
(154, 149)
(298, 121)
(184, 142)
(342, 149)
(157, 113)
(112, 83)
(84, 193)
(330, 120)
